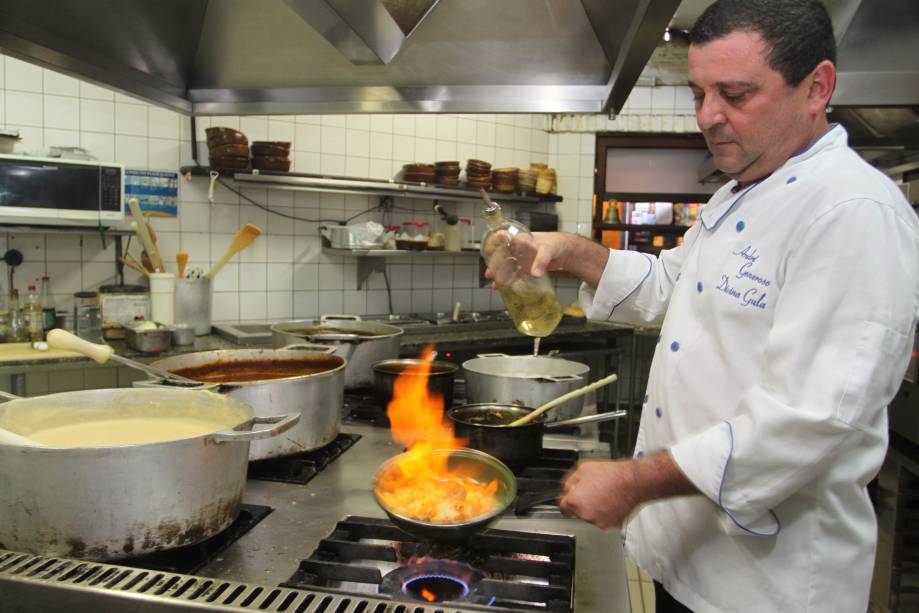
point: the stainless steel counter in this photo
(303, 514)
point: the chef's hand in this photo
(600, 492)
(605, 493)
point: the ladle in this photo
(562, 399)
(62, 339)
(11, 438)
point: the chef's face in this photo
(752, 120)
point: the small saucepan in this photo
(485, 427)
(439, 378)
(405, 508)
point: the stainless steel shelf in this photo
(25, 229)
(370, 187)
(397, 253)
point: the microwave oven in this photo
(53, 191)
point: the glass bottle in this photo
(4, 316)
(47, 305)
(32, 316)
(508, 249)
(17, 328)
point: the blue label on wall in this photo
(157, 192)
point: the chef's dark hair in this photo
(798, 32)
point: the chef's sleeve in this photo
(635, 287)
(833, 360)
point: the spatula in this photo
(243, 239)
(62, 339)
(181, 261)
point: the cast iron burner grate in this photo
(503, 569)
(540, 482)
(189, 560)
(362, 406)
(301, 467)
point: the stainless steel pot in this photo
(362, 343)
(103, 503)
(439, 378)
(529, 381)
(318, 398)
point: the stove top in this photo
(495, 569)
(192, 558)
(301, 467)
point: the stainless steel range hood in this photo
(347, 56)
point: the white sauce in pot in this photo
(124, 431)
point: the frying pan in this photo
(486, 468)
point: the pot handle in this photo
(587, 419)
(493, 355)
(280, 423)
(352, 339)
(340, 317)
(559, 379)
(316, 348)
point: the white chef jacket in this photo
(788, 317)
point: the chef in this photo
(787, 319)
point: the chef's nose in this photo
(710, 112)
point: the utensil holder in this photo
(162, 297)
(193, 304)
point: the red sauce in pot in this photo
(258, 370)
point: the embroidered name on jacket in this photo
(745, 284)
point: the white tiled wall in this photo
(284, 274)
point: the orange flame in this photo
(422, 485)
(428, 595)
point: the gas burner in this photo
(503, 569)
(436, 581)
(301, 467)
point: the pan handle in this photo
(493, 355)
(587, 419)
(528, 500)
(315, 348)
(340, 318)
(279, 423)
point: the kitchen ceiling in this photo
(347, 56)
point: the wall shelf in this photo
(369, 187)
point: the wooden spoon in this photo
(62, 339)
(243, 239)
(562, 399)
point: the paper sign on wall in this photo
(157, 192)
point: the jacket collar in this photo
(726, 198)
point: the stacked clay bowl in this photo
(418, 173)
(504, 180)
(271, 155)
(478, 174)
(228, 149)
(447, 173)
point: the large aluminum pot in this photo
(362, 343)
(110, 502)
(318, 397)
(529, 381)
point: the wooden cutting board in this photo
(23, 352)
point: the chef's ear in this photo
(821, 83)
